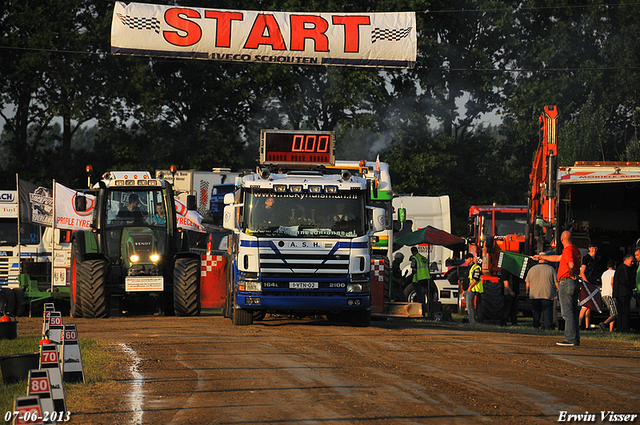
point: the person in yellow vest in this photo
(421, 276)
(473, 295)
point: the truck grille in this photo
(8, 271)
(304, 265)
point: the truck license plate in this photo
(303, 285)
(143, 284)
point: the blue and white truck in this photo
(302, 233)
(29, 253)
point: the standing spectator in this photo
(510, 298)
(396, 278)
(590, 272)
(623, 284)
(473, 295)
(568, 287)
(607, 296)
(542, 285)
(421, 276)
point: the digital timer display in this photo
(285, 147)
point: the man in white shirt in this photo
(607, 296)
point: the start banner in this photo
(347, 39)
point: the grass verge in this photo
(98, 360)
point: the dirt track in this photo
(206, 371)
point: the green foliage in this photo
(67, 103)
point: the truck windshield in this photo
(29, 233)
(304, 215)
(138, 208)
(506, 224)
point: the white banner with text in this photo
(344, 39)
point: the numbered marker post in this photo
(40, 385)
(55, 327)
(27, 408)
(49, 360)
(72, 369)
(48, 308)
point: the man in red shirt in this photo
(568, 287)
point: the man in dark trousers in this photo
(623, 284)
(421, 276)
(511, 291)
(568, 287)
(397, 279)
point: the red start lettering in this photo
(174, 17)
(265, 30)
(257, 36)
(223, 27)
(300, 32)
(351, 30)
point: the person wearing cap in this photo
(473, 295)
(396, 278)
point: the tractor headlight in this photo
(134, 258)
(154, 258)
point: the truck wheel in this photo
(242, 317)
(410, 292)
(92, 281)
(360, 319)
(228, 302)
(19, 295)
(7, 301)
(186, 287)
(259, 315)
(75, 297)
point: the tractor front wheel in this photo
(91, 287)
(186, 287)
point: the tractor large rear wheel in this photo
(75, 298)
(186, 287)
(20, 306)
(92, 293)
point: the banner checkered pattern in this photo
(136, 23)
(389, 34)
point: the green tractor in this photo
(134, 248)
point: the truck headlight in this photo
(353, 288)
(253, 286)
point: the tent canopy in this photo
(431, 236)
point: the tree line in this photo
(67, 102)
